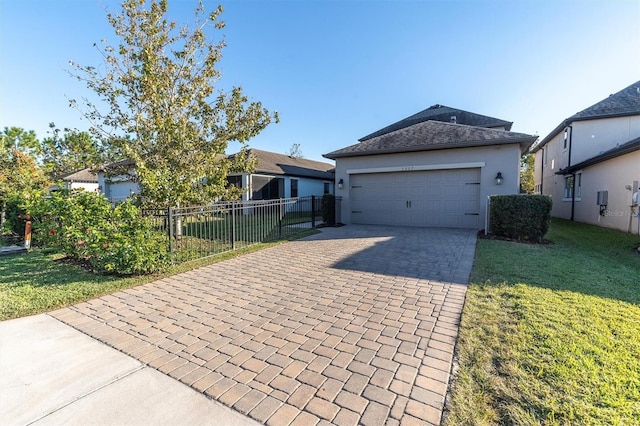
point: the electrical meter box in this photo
(603, 198)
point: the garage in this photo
(436, 168)
(433, 198)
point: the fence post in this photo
(170, 219)
(280, 214)
(233, 225)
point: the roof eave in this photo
(573, 119)
(631, 146)
(523, 142)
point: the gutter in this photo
(573, 193)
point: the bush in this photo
(521, 217)
(329, 209)
(112, 240)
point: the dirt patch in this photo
(482, 236)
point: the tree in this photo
(164, 113)
(21, 140)
(67, 151)
(20, 179)
(527, 173)
(295, 151)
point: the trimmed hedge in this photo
(520, 217)
(329, 209)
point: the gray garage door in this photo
(438, 198)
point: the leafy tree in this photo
(67, 151)
(164, 112)
(527, 173)
(20, 180)
(21, 140)
(295, 151)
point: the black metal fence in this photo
(198, 232)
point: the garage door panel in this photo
(436, 198)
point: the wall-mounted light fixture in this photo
(499, 178)
(340, 183)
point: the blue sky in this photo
(336, 71)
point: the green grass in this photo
(38, 282)
(550, 334)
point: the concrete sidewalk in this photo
(51, 373)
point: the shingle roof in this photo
(281, 164)
(625, 148)
(85, 175)
(444, 114)
(620, 104)
(433, 135)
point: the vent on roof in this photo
(454, 120)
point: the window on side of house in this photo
(566, 138)
(327, 187)
(578, 185)
(294, 188)
(235, 181)
(544, 155)
(568, 187)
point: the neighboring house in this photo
(276, 176)
(82, 179)
(120, 187)
(435, 168)
(282, 176)
(590, 163)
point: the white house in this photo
(435, 168)
(82, 179)
(590, 163)
(276, 176)
(282, 176)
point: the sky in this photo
(338, 70)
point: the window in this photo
(566, 137)
(235, 181)
(294, 188)
(578, 186)
(266, 187)
(544, 155)
(327, 187)
(568, 187)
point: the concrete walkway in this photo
(356, 325)
(51, 374)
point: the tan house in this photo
(590, 163)
(435, 168)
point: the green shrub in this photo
(329, 209)
(19, 208)
(112, 240)
(521, 217)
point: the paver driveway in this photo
(355, 325)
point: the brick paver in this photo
(356, 325)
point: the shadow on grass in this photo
(584, 258)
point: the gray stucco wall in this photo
(498, 158)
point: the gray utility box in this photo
(603, 198)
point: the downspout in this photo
(573, 193)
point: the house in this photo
(119, 187)
(590, 163)
(435, 168)
(282, 176)
(82, 179)
(276, 176)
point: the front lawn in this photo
(39, 281)
(550, 334)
